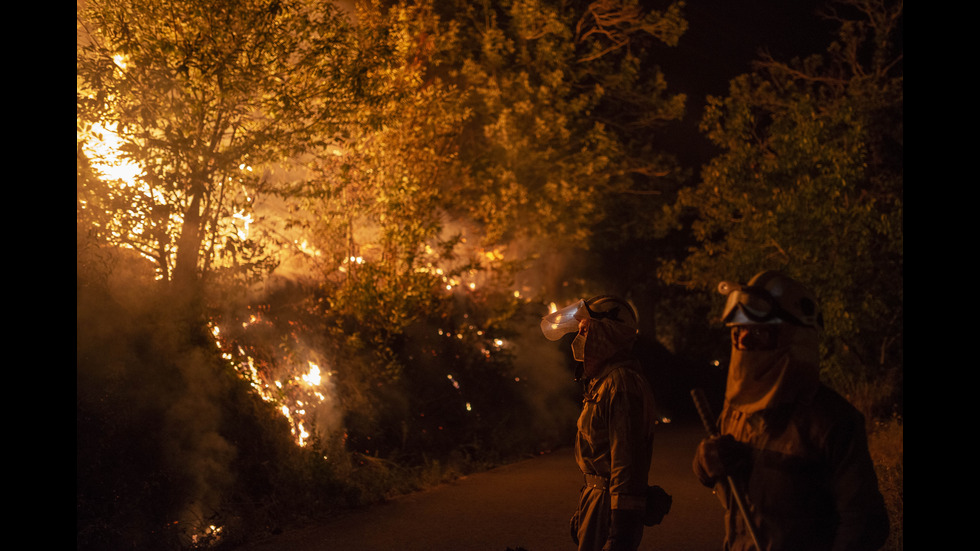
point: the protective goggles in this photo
(746, 305)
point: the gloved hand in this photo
(625, 527)
(658, 505)
(718, 457)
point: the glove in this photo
(658, 505)
(624, 527)
(720, 456)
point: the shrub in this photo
(886, 444)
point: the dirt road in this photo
(524, 505)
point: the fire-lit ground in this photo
(526, 504)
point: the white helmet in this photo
(770, 297)
(603, 307)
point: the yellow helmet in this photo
(770, 297)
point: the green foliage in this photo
(199, 93)
(810, 181)
(497, 122)
(493, 124)
(403, 154)
(555, 90)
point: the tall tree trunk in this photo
(185, 277)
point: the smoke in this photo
(192, 442)
(158, 438)
(328, 416)
(151, 457)
(547, 379)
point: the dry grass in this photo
(885, 440)
(875, 399)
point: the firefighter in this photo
(614, 442)
(796, 450)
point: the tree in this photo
(409, 143)
(198, 94)
(810, 181)
(493, 129)
(500, 124)
(558, 94)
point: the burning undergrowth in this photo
(456, 376)
(194, 430)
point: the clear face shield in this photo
(564, 321)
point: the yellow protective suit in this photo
(805, 470)
(613, 448)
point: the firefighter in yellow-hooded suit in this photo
(793, 448)
(614, 442)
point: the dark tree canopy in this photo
(810, 181)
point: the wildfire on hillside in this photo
(302, 383)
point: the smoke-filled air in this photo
(315, 240)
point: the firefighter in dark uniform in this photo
(795, 449)
(614, 442)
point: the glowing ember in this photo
(303, 435)
(295, 397)
(313, 377)
(211, 535)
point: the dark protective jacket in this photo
(613, 448)
(810, 483)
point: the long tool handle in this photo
(704, 411)
(708, 420)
